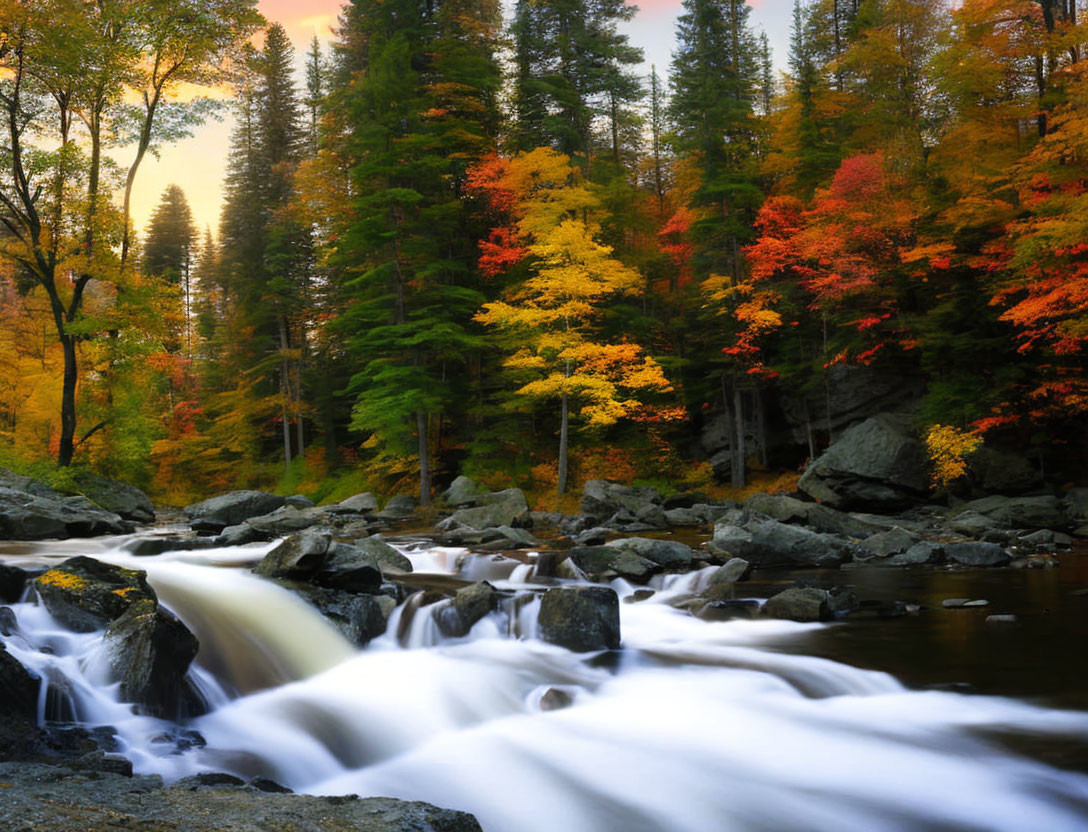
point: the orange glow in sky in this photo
(198, 164)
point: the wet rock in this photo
(842, 600)
(726, 609)
(594, 536)
(298, 501)
(24, 516)
(680, 517)
(360, 618)
(349, 568)
(287, 520)
(977, 554)
(232, 508)
(971, 524)
(9, 625)
(1000, 620)
(581, 618)
(12, 583)
(150, 651)
(1075, 505)
(555, 699)
(263, 784)
(18, 689)
(209, 779)
(365, 503)
(1042, 537)
(84, 594)
(100, 762)
(670, 554)
(384, 554)
(639, 595)
(733, 570)
(463, 491)
(148, 546)
(799, 604)
(607, 562)
(238, 535)
(954, 603)
(920, 553)
(296, 558)
(623, 506)
(879, 463)
(475, 601)
(977, 603)
(887, 543)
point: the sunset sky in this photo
(197, 164)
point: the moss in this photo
(62, 580)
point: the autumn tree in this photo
(552, 317)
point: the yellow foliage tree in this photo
(948, 449)
(553, 315)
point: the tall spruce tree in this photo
(169, 250)
(422, 110)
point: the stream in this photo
(739, 725)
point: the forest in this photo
(464, 244)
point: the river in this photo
(693, 725)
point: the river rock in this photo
(230, 509)
(726, 609)
(786, 509)
(360, 618)
(398, 507)
(879, 464)
(19, 733)
(775, 544)
(147, 546)
(721, 585)
(977, 554)
(971, 524)
(799, 604)
(384, 554)
(581, 618)
(238, 535)
(24, 516)
(85, 595)
(296, 558)
(349, 568)
(12, 583)
(601, 563)
(887, 543)
(44, 798)
(288, 520)
(920, 553)
(1075, 505)
(1039, 512)
(670, 554)
(471, 603)
(122, 499)
(623, 506)
(463, 492)
(365, 503)
(150, 651)
(499, 508)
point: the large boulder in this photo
(602, 563)
(854, 392)
(364, 503)
(12, 583)
(1002, 472)
(770, 544)
(24, 516)
(360, 618)
(287, 520)
(463, 492)
(230, 509)
(296, 558)
(977, 554)
(19, 733)
(1040, 512)
(469, 605)
(891, 542)
(623, 506)
(799, 604)
(786, 509)
(499, 508)
(349, 568)
(122, 499)
(581, 618)
(879, 464)
(150, 651)
(85, 594)
(670, 554)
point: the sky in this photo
(198, 164)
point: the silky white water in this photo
(696, 726)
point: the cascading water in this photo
(696, 726)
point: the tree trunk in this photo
(738, 447)
(424, 459)
(564, 427)
(761, 426)
(285, 390)
(68, 403)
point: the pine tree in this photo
(422, 111)
(169, 249)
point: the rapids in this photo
(693, 726)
